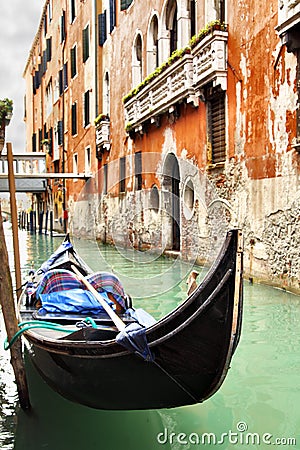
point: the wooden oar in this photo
(114, 317)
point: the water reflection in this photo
(261, 391)
(58, 424)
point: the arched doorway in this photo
(171, 183)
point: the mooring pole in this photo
(14, 217)
(7, 303)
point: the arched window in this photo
(137, 61)
(192, 6)
(215, 10)
(152, 47)
(154, 198)
(169, 32)
(173, 33)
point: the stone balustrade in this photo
(180, 81)
(103, 134)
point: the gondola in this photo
(181, 359)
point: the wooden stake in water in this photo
(14, 217)
(9, 313)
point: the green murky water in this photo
(258, 406)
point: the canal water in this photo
(257, 407)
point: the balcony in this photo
(180, 81)
(288, 15)
(210, 61)
(103, 134)
(171, 86)
(289, 24)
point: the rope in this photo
(30, 324)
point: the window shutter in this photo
(65, 77)
(49, 49)
(86, 43)
(125, 4)
(63, 27)
(34, 142)
(44, 62)
(73, 62)
(112, 14)
(40, 139)
(45, 131)
(138, 170)
(50, 134)
(216, 126)
(105, 179)
(38, 76)
(74, 119)
(73, 11)
(60, 132)
(45, 25)
(102, 28)
(61, 84)
(122, 174)
(86, 108)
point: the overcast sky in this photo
(19, 20)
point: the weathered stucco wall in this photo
(256, 189)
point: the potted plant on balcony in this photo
(101, 118)
(209, 28)
(130, 130)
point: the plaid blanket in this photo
(61, 280)
(108, 282)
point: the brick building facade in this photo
(197, 124)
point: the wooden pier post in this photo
(7, 303)
(14, 217)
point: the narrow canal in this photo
(257, 406)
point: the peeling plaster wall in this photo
(257, 189)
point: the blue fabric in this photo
(66, 245)
(134, 339)
(78, 301)
(141, 316)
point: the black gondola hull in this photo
(192, 348)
